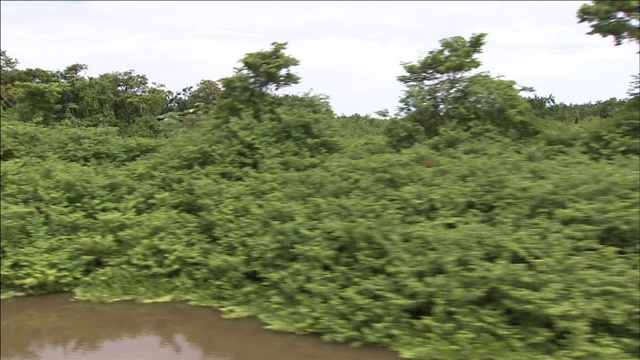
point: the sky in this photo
(350, 51)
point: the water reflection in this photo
(51, 327)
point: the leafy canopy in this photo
(265, 71)
(7, 62)
(439, 75)
(254, 82)
(441, 91)
(619, 19)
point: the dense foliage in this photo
(619, 19)
(477, 224)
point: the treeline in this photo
(117, 99)
(469, 225)
(128, 101)
(547, 107)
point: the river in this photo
(54, 327)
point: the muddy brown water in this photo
(53, 327)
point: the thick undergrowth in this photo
(438, 235)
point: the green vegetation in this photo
(617, 18)
(475, 224)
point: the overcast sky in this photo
(350, 51)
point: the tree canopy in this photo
(619, 19)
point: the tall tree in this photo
(619, 19)
(442, 91)
(12, 77)
(436, 82)
(254, 82)
(270, 70)
(40, 102)
(70, 99)
(206, 92)
(440, 75)
(71, 73)
(7, 62)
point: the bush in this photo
(621, 135)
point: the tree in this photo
(118, 99)
(178, 101)
(435, 82)
(71, 73)
(126, 88)
(40, 102)
(254, 82)
(70, 99)
(270, 70)
(384, 113)
(541, 104)
(634, 88)
(264, 71)
(440, 75)
(441, 91)
(12, 76)
(206, 92)
(7, 62)
(619, 19)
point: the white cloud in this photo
(350, 51)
